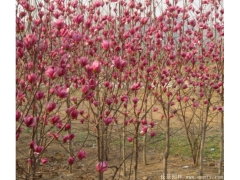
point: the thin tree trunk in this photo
(100, 175)
(136, 151)
(202, 149)
(69, 132)
(220, 169)
(167, 148)
(124, 152)
(204, 129)
(144, 150)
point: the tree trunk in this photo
(136, 151)
(166, 152)
(100, 175)
(202, 149)
(220, 169)
(144, 150)
(124, 152)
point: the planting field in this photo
(180, 158)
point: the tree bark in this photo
(220, 169)
(166, 152)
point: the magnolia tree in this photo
(98, 65)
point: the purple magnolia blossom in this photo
(51, 106)
(130, 139)
(119, 63)
(30, 121)
(61, 92)
(39, 95)
(136, 86)
(44, 160)
(108, 120)
(102, 166)
(32, 77)
(105, 44)
(96, 66)
(71, 160)
(144, 130)
(51, 72)
(18, 115)
(152, 134)
(81, 154)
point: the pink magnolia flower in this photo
(62, 92)
(81, 112)
(55, 119)
(74, 114)
(76, 37)
(144, 20)
(205, 101)
(39, 95)
(119, 63)
(184, 86)
(50, 106)
(102, 166)
(78, 19)
(18, 133)
(131, 4)
(108, 120)
(51, 72)
(155, 109)
(66, 138)
(220, 108)
(96, 66)
(29, 40)
(83, 61)
(71, 160)
(195, 104)
(144, 130)
(85, 89)
(59, 125)
(136, 86)
(105, 44)
(81, 154)
(29, 121)
(38, 149)
(32, 144)
(98, 3)
(151, 124)
(186, 98)
(44, 160)
(152, 134)
(59, 24)
(179, 98)
(32, 77)
(109, 101)
(135, 100)
(71, 136)
(18, 115)
(169, 93)
(22, 83)
(92, 83)
(55, 135)
(124, 98)
(67, 127)
(144, 122)
(130, 139)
